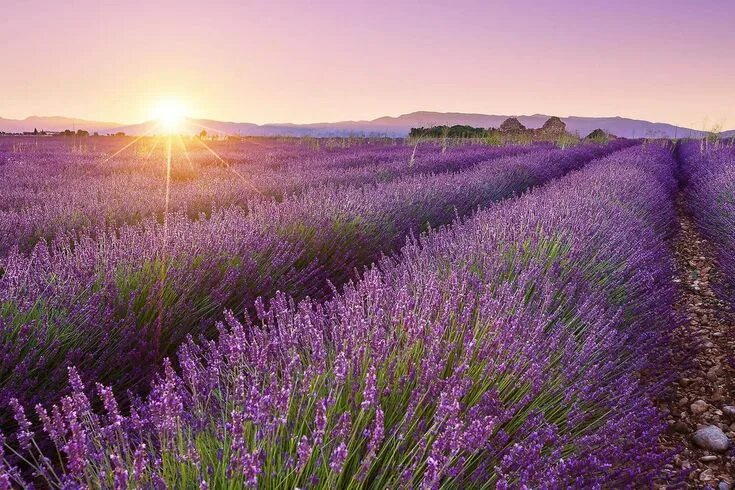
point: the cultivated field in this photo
(364, 313)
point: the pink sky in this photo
(269, 61)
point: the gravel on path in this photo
(701, 404)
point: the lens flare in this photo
(170, 115)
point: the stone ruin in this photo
(512, 125)
(554, 126)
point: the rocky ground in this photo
(701, 409)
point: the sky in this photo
(287, 61)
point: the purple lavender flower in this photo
(5, 483)
(110, 404)
(140, 462)
(120, 476)
(76, 445)
(370, 393)
(497, 339)
(303, 452)
(53, 425)
(251, 468)
(338, 458)
(25, 433)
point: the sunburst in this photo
(170, 115)
(166, 130)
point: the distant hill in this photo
(401, 125)
(54, 123)
(382, 126)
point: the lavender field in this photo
(284, 313)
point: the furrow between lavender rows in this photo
(709, 175)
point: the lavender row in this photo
(116, 303)
(709, 174)
(51, 189)
(506, 351)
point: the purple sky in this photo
(273, 61)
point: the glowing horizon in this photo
(662, 61)
(170, 114)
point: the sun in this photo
(170, 115)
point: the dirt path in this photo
(704, 394)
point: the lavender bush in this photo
(709, 174)
(510, 350)
(152, 284)
(52, 188)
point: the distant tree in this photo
(119, 133)
(82, 132)
(96, 134)
(598, 135)
(35, 131)
(494, 137)
(456, 131)
(203, 134)
(68, 132)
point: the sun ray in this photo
(164, 249)
(168, 186)
(147, 133)
(185, 150)
(153, 148)
(254, 142)
(207, 128)
(229, 167)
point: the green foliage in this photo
(598, 136)
(456, 131)
(493, 138)
(566, 140)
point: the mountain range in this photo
(54, 123)
(383, 126)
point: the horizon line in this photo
(114, 124)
